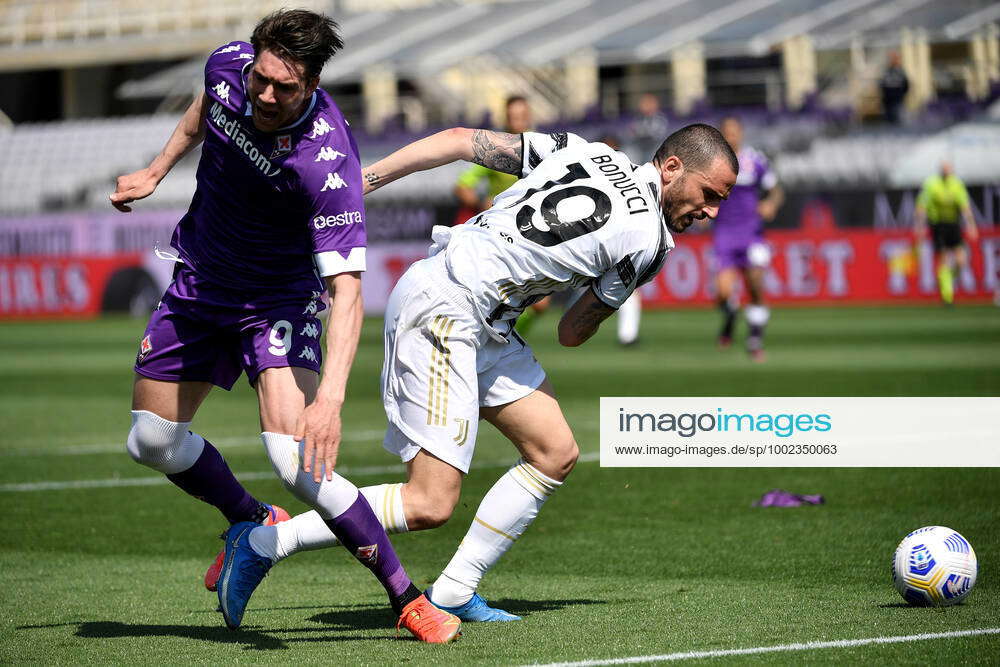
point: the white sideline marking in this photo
(369, 435)
(119, 447)
(118, 482)
(807, 646)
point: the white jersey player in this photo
(581, 215)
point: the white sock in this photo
(757, 315)
(628, 319)
(505, 513)
(303, 532)
(308, 531)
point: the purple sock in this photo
(728, 319)
(362, 534)
(210, 480)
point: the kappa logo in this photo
(311, 308)
(145, 347)
(308, 354)
(367, 554)
(282, 145)
(227, 49)
(310, 330)
(320, 127)
(333, 182)
(327, 153)
(222, 89)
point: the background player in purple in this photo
(738, 240)
(278, 203)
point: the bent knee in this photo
(556, 461)
(165, 446)
(565, 460)
(427, 510)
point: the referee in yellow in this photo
(942, 200)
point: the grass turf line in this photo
(622, 562)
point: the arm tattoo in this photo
(586, 323)
(499, 151)
(372, 180)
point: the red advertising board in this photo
(66, 286)
(831, 265)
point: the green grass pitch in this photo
(622, 562)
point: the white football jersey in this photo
(582, 214)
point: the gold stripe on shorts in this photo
(437, 391)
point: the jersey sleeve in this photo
(924, 198)
(639, 262)
(961, 194)
(614, 287)
(224, 74)
(766, 178)
(536, 146)
(333, 192)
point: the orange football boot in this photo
(428, 623)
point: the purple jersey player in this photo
(738, 239)
(276, 218)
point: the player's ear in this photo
(671, 169)
(311, 85)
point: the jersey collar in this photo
(650, 175)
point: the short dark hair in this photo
(514, 99)
(697, 146)
(300, 35)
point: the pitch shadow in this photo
(252, 639)
(529, 607)
(360, 617)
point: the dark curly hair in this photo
(299, 35)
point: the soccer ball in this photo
(934, 566)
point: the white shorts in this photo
(441, 366)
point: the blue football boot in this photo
(477, 609)
(242, 571)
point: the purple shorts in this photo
(205, 333)
(741, 255)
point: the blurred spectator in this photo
(647, 131)
(942, 200)
(894, 84)
(477, 186)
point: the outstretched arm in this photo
(499, 151)
(190, 132)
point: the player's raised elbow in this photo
(460, 139)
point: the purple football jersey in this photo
(738, 223)
(271, 208)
